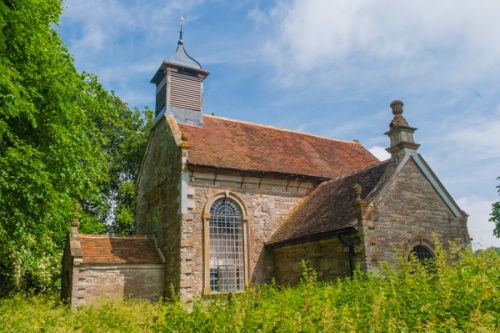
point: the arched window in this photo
(422, 253)
(227, 265)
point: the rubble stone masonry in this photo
(409, 213)
(327, 257)
(267, 201)
(183, 194)
(159, 183)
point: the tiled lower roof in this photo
(329, 207)
(231, 144)
(110, 249)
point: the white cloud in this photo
(258, 15)
(445, 42)
(380, 153)
(101, 24)
(123, 42)
(479, 228)
(114, 29)
(463, 148)
(479, 138)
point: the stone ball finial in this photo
(184, 138)
(76, 223)
(397, 107)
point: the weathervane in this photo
(181, 23)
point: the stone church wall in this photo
(182, 197)
(160, 182)
(326, 257)
(409, 213)
(268, 201)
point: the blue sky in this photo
(330, 68)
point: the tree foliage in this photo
(495, 215)
(63, 139)
(127, 133)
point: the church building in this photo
(223, 204)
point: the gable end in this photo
(429, 175)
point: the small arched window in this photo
(422, 253)
(227, 266)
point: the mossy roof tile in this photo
(329, 207)
(110, 249)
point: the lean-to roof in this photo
(110, 249)
(328, 209)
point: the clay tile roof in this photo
(231, 144)
(109, 249)
(328, 208)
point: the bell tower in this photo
(179, 87)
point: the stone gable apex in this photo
(429, 175)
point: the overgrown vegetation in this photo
(63, 139)
(459, 293)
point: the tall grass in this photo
(459, 292)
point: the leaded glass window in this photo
(226, 247)
(422, 253)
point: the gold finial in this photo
(184, 138)
(76, 223)
(357, 190)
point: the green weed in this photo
(459, 293)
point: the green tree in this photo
(63, 139)
(495, 215)
(130, 157)
(49, 144)
(126, 132)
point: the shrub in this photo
(458, 293)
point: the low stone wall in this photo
(96, 282)
(326, 257)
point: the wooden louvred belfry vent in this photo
(161, 95)
(186, 91)
(179, 87)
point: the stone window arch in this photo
(225, 244)
(421, 248)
